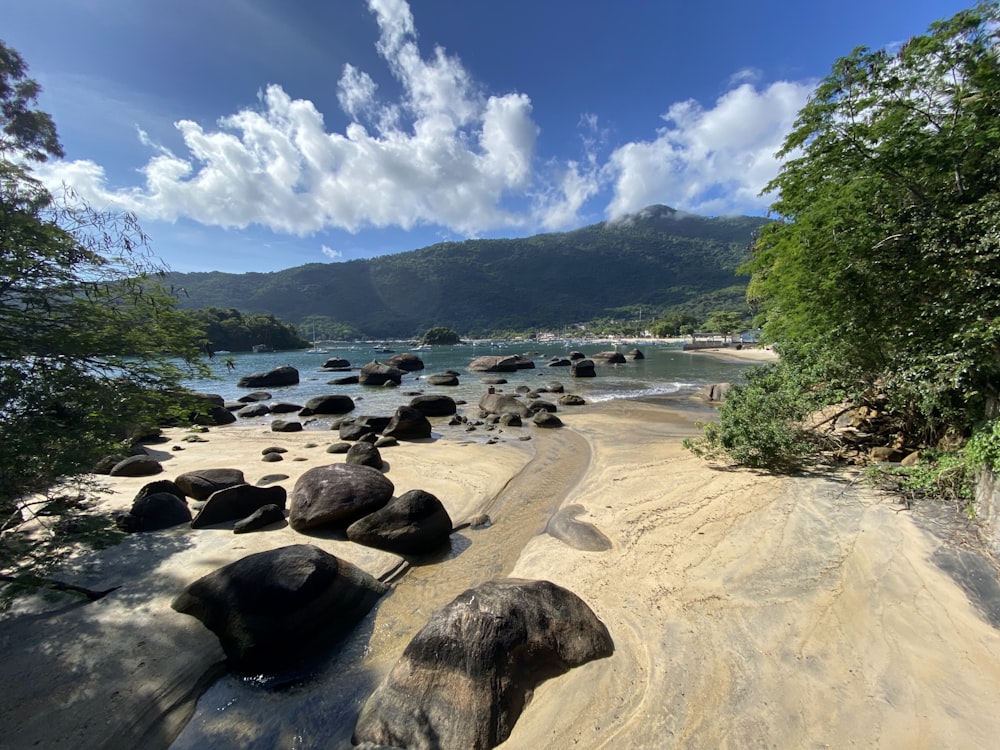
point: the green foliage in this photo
(939, 476)
(983, 448)
(91, 345)
(760, 424)
(881, 275)
(658, 258)
(440, 335)
(233, 331)
(724, 322)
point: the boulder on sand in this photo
(408, 424)
(237, 502)
(200, 484)
(338, 494)
(464, 679)
(274, 609)
(414, 523)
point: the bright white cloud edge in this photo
(443, 154)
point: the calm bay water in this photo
(666, 369)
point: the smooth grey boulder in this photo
(406, 361)
(546, 419)
(583, 368)
(444, 379)
(465, 678)
(408, 424)
(255, 409)
(250, 398)
(286, 425)
(612, 358)
(273, 609)
(571, 399)
(279, 376)
(377, 373)
(414, 523)
(335, 403)
(494, 363)
(336, 363)
(200, 484)
(237, 502)
(501, 403)
(364, 454)
(337, 495)
(136, 466)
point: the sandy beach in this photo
(746, 609)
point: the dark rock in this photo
(274, 608)
(559, 363)
(160, 485)
(415, 523)
(253, 410)
(284, 408)
(583, 368)
(500, 403)
(434, 405)
(262, 517)
(538, 405)
(274, 449)
(353, 430)
(574, 356)
(510, 420)
(493, 381)
(214, 415)
(338, 448)
(346, 380)
(523, 363)
(286, 425)
(336, 363)
(635, 354)
(136, 466)
(276, 378)
(377, 373)
(236, 502)
(251, 398)
(338, 494)
(386, 441)
(364, 454)
(271, 479)
(494, 363)
(443, 380)
(464, 679)
(612, 358)
(554, 387)
(407, 362)
(201, 484)
(546, 419)
(272, 457)
(154, 511)
(571, 399)
(408, 424)
(334, 403)
(107, 463)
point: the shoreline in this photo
(739, 603)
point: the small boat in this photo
(422, 348)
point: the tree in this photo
(440, 336)
(91, 346)
(881, 275)
(723, 322)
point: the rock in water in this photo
(273, 609)
(464, 679)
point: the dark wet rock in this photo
(251, 398)
(501, 403)
(283, 407)
(539, 405)
(286, 425)
(435, 405)
(257, 409)
(510, 420)
(378, 373)
(136, 466)
(338, 448)
(236, 502)
(553, 386)
(443, 380)
(494, 363)
(464, 679)
(571, 399)
(152, 511)
(523, 363)
(386, 441)
(273, 449)
(406, 361)
(364, 454)
(415, 523)
(583, 368)
(493, 381)
(635, 354)
(546, 419)
(408, 424)
(612, 358)
(346, 380)
(201, 484)
(574, 356)
(559, 363)
(334, 403)
(276, 378)
(264, 516)
(271, 479)
(337, 495)
(272, 609)
(577, 534)
(272, 458)
(336, 363)
(353, 430)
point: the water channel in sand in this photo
(320, 710)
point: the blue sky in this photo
(255, 135)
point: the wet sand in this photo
(746, 609)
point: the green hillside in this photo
(659, 258)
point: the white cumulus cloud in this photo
(330, 253)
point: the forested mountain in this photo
(659, 258)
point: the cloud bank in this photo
(442, 153)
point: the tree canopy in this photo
(91, 345)
(884, 268)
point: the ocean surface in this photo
(666, 369)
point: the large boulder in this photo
(612, 358)
(158, 505)
(337, 495)
(449, 379)
(583, 368)
(635, 354)
(256, 409)
(413, 524)
(201, 484)
(408, 424)
(501, 403)
(435, 405)
(378, 373)
(334, 403)
(336, 363)
(276, 378)
(464, 679)
(364, 454)
(715, 392)
(136, 466)
(406, 361)
(272, 609)
(261, 518)
(237, 502)
(494, 363)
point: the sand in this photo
(746, 609)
